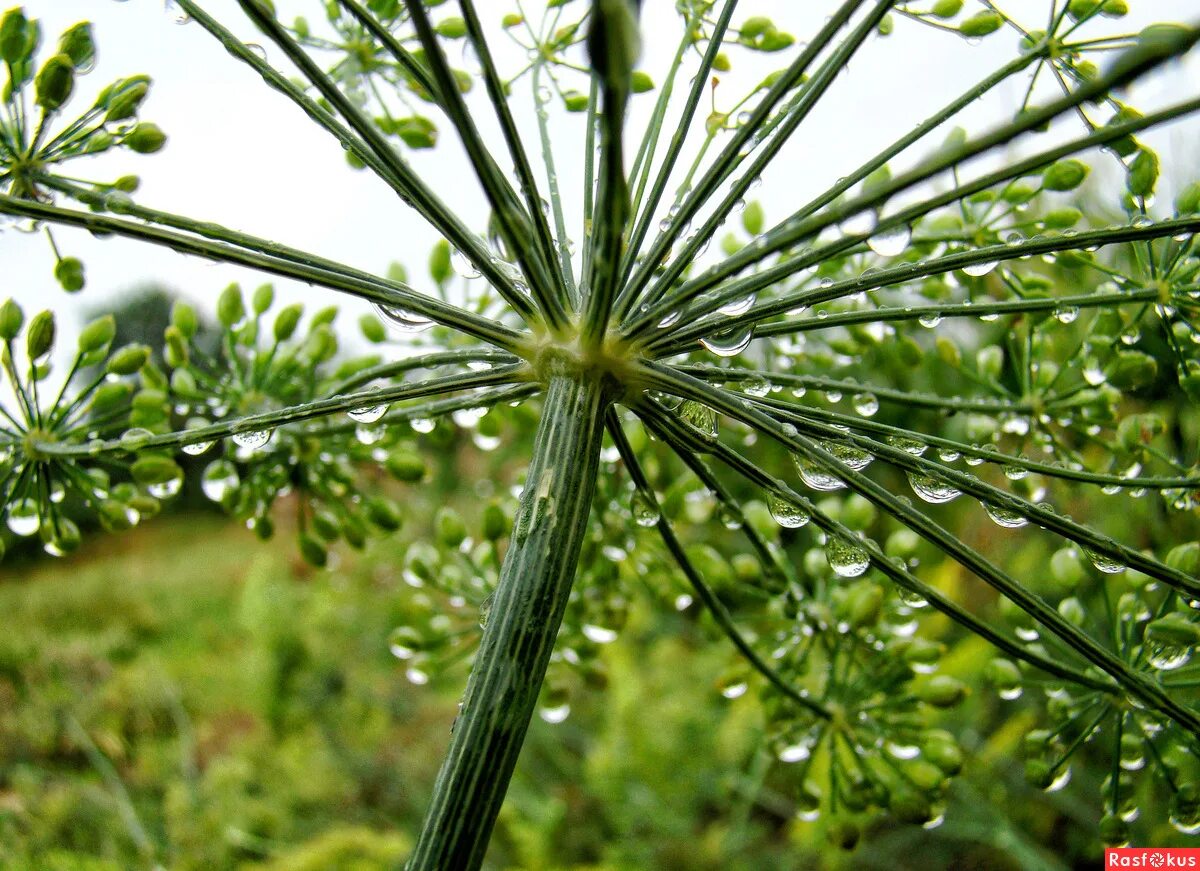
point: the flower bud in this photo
(450, 527)
(384, 513)
(313, 551)
(640, 82)
(69, 273)
(1185, 558)
(123, 97)
(1143, 173)
(128, 360)
(78, 44)
(231, 308)
(406, 466)
(495, 524)
(40, 337)
(55, 82)
(946, 8)
(417, 131)
(753, 218)
(451, 28)
(980, 24)
(942, 691)
(1188, 200)
(286, 321)
(17, 37)
(372, 329)
(575, 101)
(1065, 175)
(1129, 370)
(146, 138)
(11, 320)
(97, 335)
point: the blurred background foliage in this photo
(188, 697)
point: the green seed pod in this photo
(325, 524)
(287, 320)
(1185, 558)
(123, 98)
(439, 262)
(417, 132)
(451, 28)
(495, 524)
(942, 750)
(989, 361)
(1004, 674)
(575, 101)
(942, 691)
(128, 360)
(175, 347)
(1073, 611)
(372, 329)
(1143, 173)
(1139, 430)
(146, 138)
(746, 567)
(1062, 219)
(231, 308)
(1065, 175)
(264, 297)
(980, 24)
(923, 774)
(39, 339)
(111, 395)
(153, 469)
(313, 551)
(862, 605)
(753, 218)
(450, 527)
(946, 8)
(78, 44)
(1188, 200)
(15, 30)
(384, 513)
(354, 531)
(183, 384)
(640, 82)
(1066, 568)
(98, 335)
(69, 273)
(406, 466)
(948, 352)
(512, 19)
(55, 82)
(923, 651)
(11, 320)
(1078, 9)
(184, 319)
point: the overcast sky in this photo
(242, 155)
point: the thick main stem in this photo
(530, 599)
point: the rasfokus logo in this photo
(1152, 857)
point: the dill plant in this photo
(787, 412)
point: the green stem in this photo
(530, 599)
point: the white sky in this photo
(242, 155)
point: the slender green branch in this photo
(270, 420)
(432, 360)
(731, 155)
(800, 228)
(510, 219)
(437, 408)
(376, 290)
(814, 89)
(699, 85)
(407, 184)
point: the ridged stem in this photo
(535, 581)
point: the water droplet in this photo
(462, 265)
(729, 342)
(175, 12)
(845, 557)
(555, 715)
(891, 243)
(816, 476)
(756, 386)
(1061, 779)
(866, 404)
(669, 319)
(1104, 563)
(978, 269)
(403, 320)
(196, 448)
(219, 478)
(1066, 314)
(404, 642)
(929, 320)
(423, 425)
(787, 513)
(367, 413)
(737, 306)
(257, 50)
(252, 439)
(485, 609)
(645, 512)
(23, 517)
(700, 417)
(1004, 516)
(598, 634)
(931, 489)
